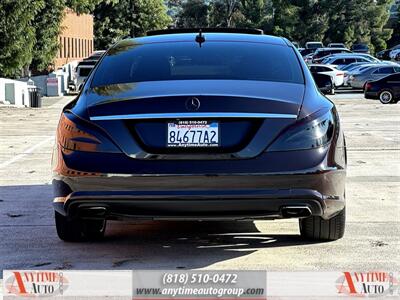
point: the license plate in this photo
(193, 134)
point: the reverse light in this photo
(307, 134)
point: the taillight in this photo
(368, 86)
(340, 74)
(70, 137)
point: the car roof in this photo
(331, 48)
(321, 65)
(209, 36)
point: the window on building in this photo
(69, 48)
(60, 48)
(65, 46)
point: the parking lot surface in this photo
(28, 237)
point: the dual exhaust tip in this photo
(296, 212)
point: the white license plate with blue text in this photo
(193, 133)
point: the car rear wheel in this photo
(75, 230)
(317, 228)
(386, 97)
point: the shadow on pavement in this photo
(31, 242)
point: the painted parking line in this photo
(25, 153)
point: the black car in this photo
(320, 53)
(384, 54)
(360, 48)
(305, 52)
(387, 89)
(324, 82)
(200, 125)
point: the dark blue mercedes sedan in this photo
(200, 125)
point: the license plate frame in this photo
(192, 134)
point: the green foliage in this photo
(119, 18)
(298, 20)
(29, 29)
(194, 13)
(47, 24)
(17, 36)
(83, 6)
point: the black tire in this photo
(69, 230)
(76, 230)
(386, 97)
(316, 228)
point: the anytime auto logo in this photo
(36, 283)
(367, 284)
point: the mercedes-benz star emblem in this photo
(192, 104)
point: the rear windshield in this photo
(186, 60)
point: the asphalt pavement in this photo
(28, 237)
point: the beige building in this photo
(76, 38)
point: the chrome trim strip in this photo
(192, 116)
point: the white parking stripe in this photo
(25, 153)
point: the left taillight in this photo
(71, 137)
(368, 86)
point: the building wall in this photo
(76, 39)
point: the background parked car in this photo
(83, 70)
(358, 80)
(360, 48)
(341, 60)
(325, 83)
(96, 55)
(351, 66)
(320, 53)
(305, 51)
(336, 45)
(336, 74)
(387, 89)
(394, 53)
(384, 54)
(314, 45)
(354, 69)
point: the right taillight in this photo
(307, 134)
(368, 86)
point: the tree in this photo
(223, 13)
(119, 18)
(286, 19)
(17, 36)
(174, 8)
(47, 27)
(194, 13)
(378, 16)
(358, 21)
(395, 26)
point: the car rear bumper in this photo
(203, 197)
(371, 95)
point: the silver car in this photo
(358, 80)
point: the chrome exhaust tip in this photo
(296, 211)
(92, 212)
